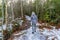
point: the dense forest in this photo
(48, 10)
(13, 13)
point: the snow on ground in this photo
(28, 17)
(29, 36)
(38, 35)
(4, 27)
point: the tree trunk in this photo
(6, 16)
(21, 8)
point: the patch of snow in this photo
(52, 34)
(21, 21)
(28, 18)
(30, 36)
(4, 27)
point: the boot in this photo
(32, 32)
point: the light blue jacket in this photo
(34, 18)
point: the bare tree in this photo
(6, 15)
(12, 9)
(22, 8)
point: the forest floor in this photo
(40, 34)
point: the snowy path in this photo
(29, 36)
(38, 35)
